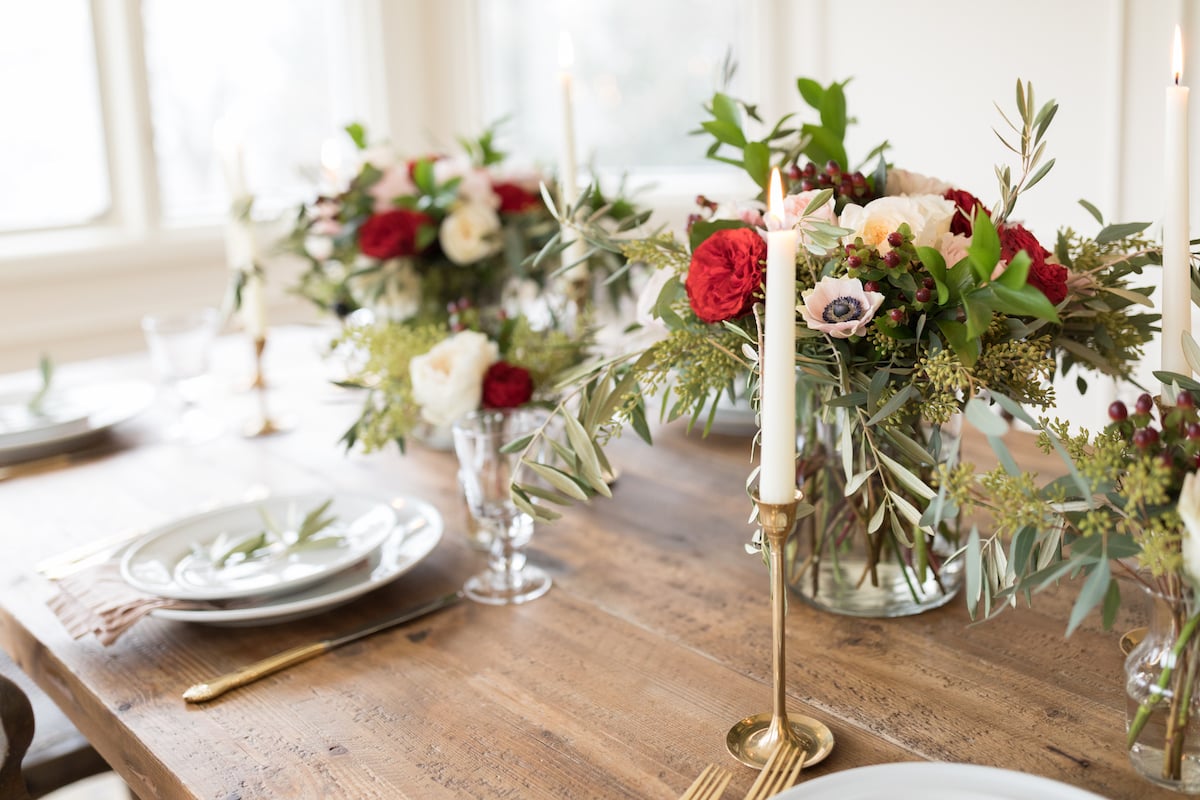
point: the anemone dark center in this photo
(842, 309)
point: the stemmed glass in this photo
(179, 346)
(486, 472)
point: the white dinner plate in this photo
(418, 530)
(84, 412)
(174, 560)
(933, 781)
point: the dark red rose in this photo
(725, 274)
(1050, 279)
(391, 234)
(514, 199)
(963, 221)
(506, 386)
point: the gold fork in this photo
(709, 784)
(781, 771)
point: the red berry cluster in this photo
(1177, 439)
(898, 274)
(848, 187)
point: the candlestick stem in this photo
(752, 739)
(263, 425)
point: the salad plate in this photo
(417, 532)
(275, 545)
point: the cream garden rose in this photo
(447, 382)
(469, 233)
(904, 182)
(928, 217)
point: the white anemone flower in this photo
(839, 307)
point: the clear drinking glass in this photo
(180, 345)
(485, 473)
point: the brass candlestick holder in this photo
(263, 424)
(752, 739)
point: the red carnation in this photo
(1050, 279)
(963, 222)
(514, 199)
(391, 234)
(506, 386)
(725, 274)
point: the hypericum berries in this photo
(896, 315)
(1118, 412)
(1185, 400)
(1145, 437)
(892, 259)
(895, 239)
(1144, 403)
(922, 295)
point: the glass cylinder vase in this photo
(870, 554)
(1161, 683)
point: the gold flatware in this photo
(709, 784)
(203, 692)
(781, 771)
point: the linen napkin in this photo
(97, 600)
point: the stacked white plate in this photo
(69, 418)
(374, 542)
(933, 781)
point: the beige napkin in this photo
(97, 600)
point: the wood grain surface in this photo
(620, 683)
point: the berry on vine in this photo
(870, 286)
(1145, 437)
(895, 239)
(896, 315)
(922, 295)
(1117, 411)
(1144, 403)
(892, 259)
(853, 262)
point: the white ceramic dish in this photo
(87, 411)
(174, 560)
(418, 530)
(933, 781)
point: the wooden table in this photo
(622, 682)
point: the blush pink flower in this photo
(839, 307)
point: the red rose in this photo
(963, 221)
(514, 199)
(391, 234)
(1050, 279)
(725, 274)
(506, 386)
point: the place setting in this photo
(265, 561)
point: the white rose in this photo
(468, 234)
(903, 182)
(400, 298)
(928, 217)
(1189, 512)
(447, 382)
(319, 247)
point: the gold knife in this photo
(203, 692)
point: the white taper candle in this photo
(777, 477)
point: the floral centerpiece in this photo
(1128, 507)
(915, 297)
(459, 261)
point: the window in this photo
(52, 161)
(625, 53)
(274, 69)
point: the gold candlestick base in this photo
(752, 739)
(263, 424)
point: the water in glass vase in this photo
(852, 557)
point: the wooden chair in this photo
(38, 759)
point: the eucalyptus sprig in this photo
(275, 540)
(1030, 136)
